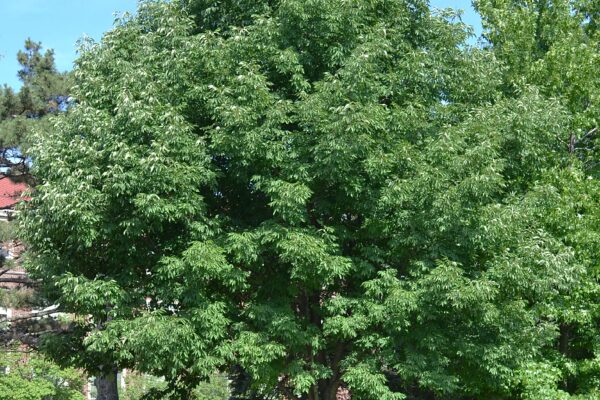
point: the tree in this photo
(27, 375)
(44, 92)
(310, 196)
(555, 46)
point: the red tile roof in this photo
(10, 192)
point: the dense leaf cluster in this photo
(31, 377)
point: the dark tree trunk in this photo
(323, 391)
(240, 382)
(106, 386)
(564, 339)
(330, 392)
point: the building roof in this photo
(10, 191)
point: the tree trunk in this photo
(106, 386)
(564, 339)
(330, 391)
(324, 390)
(240, 383)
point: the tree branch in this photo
(22, 281)
(33, 315)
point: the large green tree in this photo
(312, 195)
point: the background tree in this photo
(555, 45)
(44, 91)
(26, 374)
(313, 195)
(42, 94)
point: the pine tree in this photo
(44, 92)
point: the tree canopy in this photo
(553, 45)
(322, 195)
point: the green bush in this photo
(17, 298)
(7, 231)
(31, 377)
(137, 385)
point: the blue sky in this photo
(58, 24)
(469, 15)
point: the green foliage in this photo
(139, 384)
(217, 388)
(44, 92)
(322, 194)
(31, 377)
(7, 231)
(20, 298)
(553, 44)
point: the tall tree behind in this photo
(44, 91)
(555, 46)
